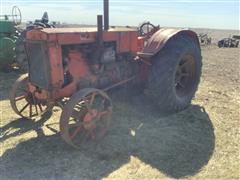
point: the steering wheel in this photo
(16, 15)
(147, 28)
(39, 24)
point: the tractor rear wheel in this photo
(175, 74)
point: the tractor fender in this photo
(160, 39)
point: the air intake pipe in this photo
(106, 14)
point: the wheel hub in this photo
(90, 118)
(185, 76)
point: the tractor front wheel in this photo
(23, 102)
(175, 74)
(86, 116)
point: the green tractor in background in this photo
(12, 39)
(9, 35)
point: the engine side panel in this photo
(56, 66)
(127, 41)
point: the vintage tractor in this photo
(8, 37)
(74, 68)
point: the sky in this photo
(217, 14)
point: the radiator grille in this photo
(39, 68)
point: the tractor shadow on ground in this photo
(23, 126)
(178, 145)
(7, 79)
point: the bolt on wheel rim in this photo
(185, 76)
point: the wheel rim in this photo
(23, 102)
(87, 119)
(16, 15)
(146, 28)
(185, 76)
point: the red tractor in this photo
(75, 67)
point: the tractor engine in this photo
(91, 66)
(63, 60)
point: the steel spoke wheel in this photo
(23, 102)
(146, 29)
(16, 15)
(86, 116)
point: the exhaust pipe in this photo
(106, 14)
(100, 29)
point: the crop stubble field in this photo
(201, 142)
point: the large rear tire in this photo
(175, 74)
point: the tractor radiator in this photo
(39, 68)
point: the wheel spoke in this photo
(40, 107)
(89, 102)
(92, 99)
(100, 114)
(24, 107)
(76, 131)
(30, 111)
(20, 98)
(102, 103)
(36, 109)
(35, 104)
(180, 84)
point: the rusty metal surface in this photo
(125, 38)
(83, 29)
(160, 38)
(69, 30)
(122, 29)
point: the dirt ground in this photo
(201, 142)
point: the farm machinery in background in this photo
(74, 68)
(12, 37)
(204, 39)
(229, 42)
(8, 37)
